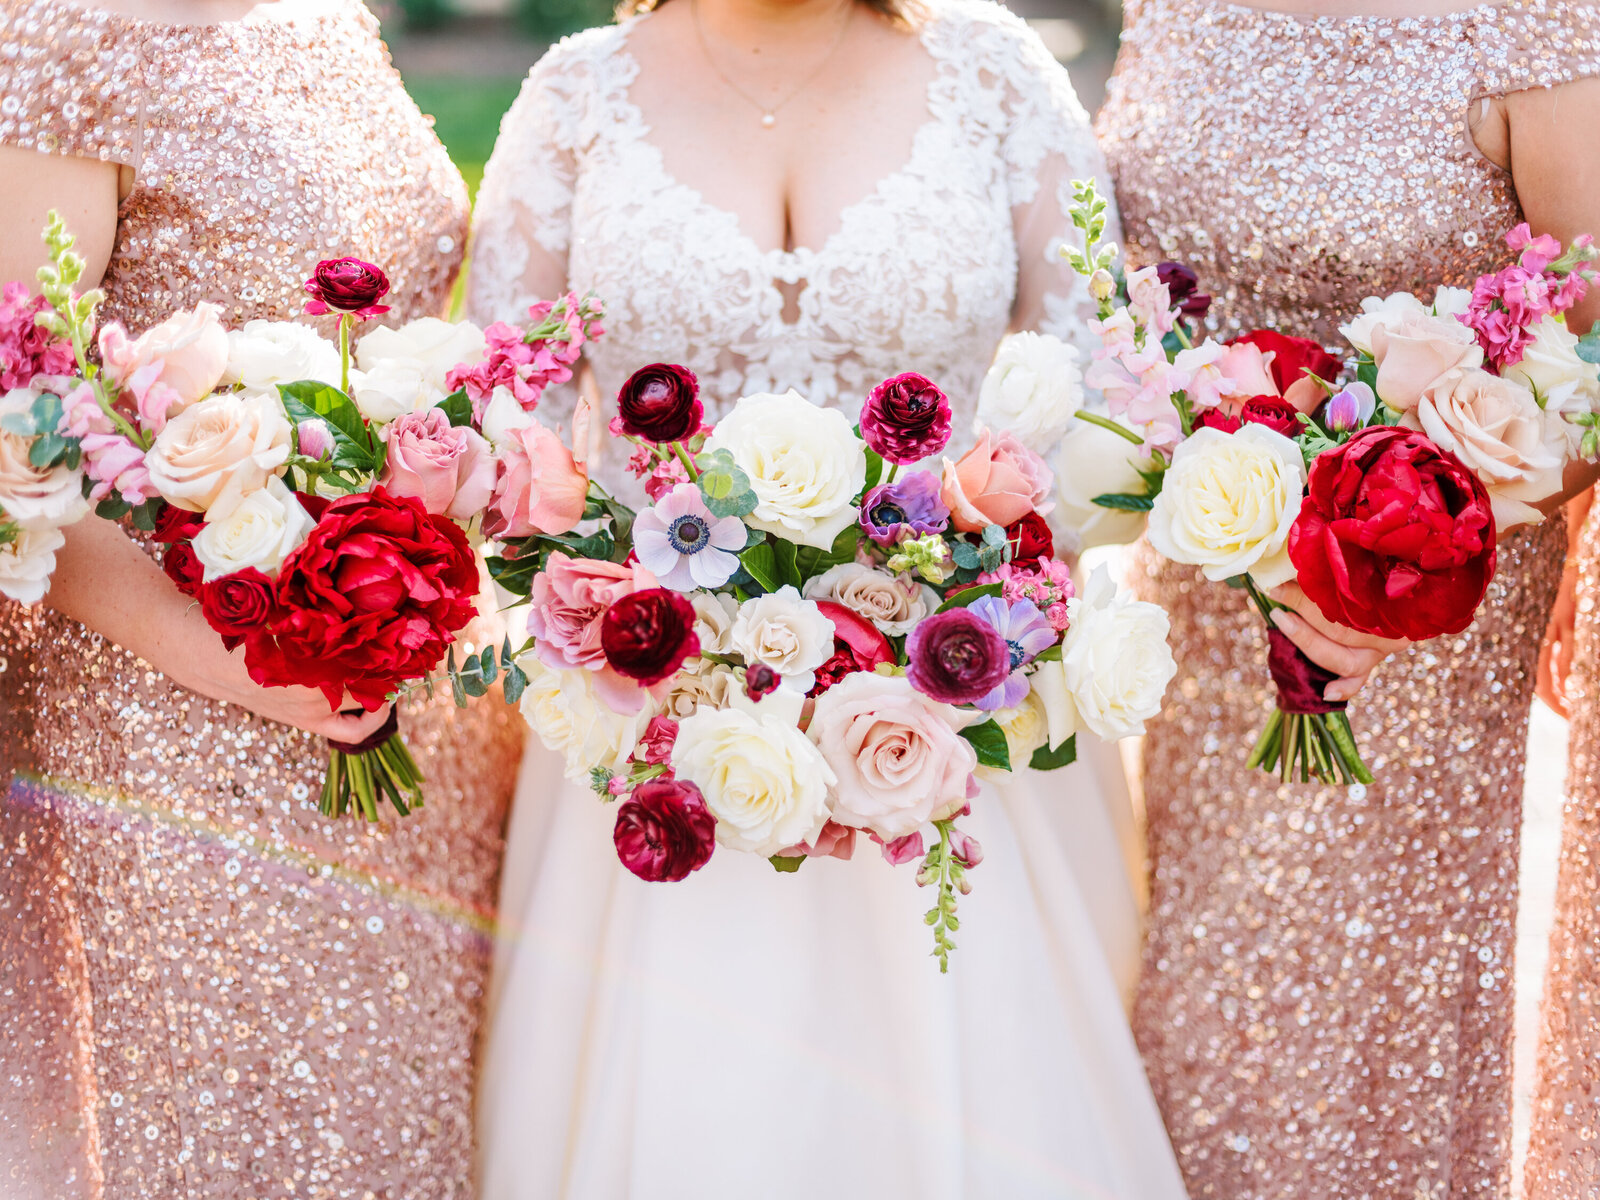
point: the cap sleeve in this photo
(1538, 44)
(69, 81)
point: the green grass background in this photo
(466, 114)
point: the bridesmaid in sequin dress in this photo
(1325, 1005)
(206, 989)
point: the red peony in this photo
(372, 598)
(660, 403)
(1395, 537)
(646, 635)
(1292, 357)
(664, 831)
(237, 606)
(858, 645)
(183, 568)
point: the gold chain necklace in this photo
(769, 113)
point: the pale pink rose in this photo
(541, 488)
(568, 599)
(1249, 370)
(997, 482)
(899, 756)
(1416, 349)
(191, 348)
(449, 468)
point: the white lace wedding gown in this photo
(788, 1037)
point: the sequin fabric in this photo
(1325, 1003)
(206, 989)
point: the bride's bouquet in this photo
(318, 510)
(1380, 484)
(802, 640)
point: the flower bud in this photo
(1350, 409)
(314, 439)
(1102, 286)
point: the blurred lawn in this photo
(466, 114)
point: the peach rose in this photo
(1250, 369)
(191, 348)
(1413, 350)
(449, 468)
(232, 443)
(997, 482)
(542, 488)
(899, 756)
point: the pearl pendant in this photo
(768, 120)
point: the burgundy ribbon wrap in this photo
(1300, 681)
(385, 731)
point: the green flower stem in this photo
(682, 452)
(893, 470)
(347, 322)
(1105, 423)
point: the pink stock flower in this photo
(1048, 584)
(524, 363)
(1536, 253)
(26, 347)
(110, 460)
(1505, 306)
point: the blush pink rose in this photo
(191, 348)
(1248, 370)
(567, 600)
(998, 482)
(835, 841)
(541, 488)
(450, 469)
(898, 755)
(1414, 352)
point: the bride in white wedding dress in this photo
(813, 194)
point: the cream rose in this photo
(266, 353)
(1227, 503)
(1499, 432)
(32, 497)
(429, 344)
(899, 756)
(1416, 349)
(1375, 312)
(569, 718)
(27, 562)
(1092, 462)
(1115, 660)
(787, 633)
(714, 615)
(229, 444)
(894, 603)
(256, 530)
(1551, 367)
(1027, 729)
(1034, 388)
(700, 684)
(191, 346)
(764, 781)
(805, 464)
(392, 389)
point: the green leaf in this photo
(874, 467)
(810, 561)
(1124, 501)
(787, 866)
(354, 444)
(965, 555)
(1367, 372)
(760, 561)
(472, 681)
(1589, 346)
(784, 555)
(144, 516)
(457, 406)
(112, 508)
(989, 740)
(47, 450)
(1046, 759)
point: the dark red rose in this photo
(1215, 418)
(1292, 357)
(761, 680)
(1030, 540)
(1276, 413)
(347, 285)
(370, 599)
(660, 403)
(956, 656)
(905, 419)
(174, 524)
(1183, 286)
(664, 831)
(647, 635)
(238, 606)
(183, 568)
(1395, 537)
(858, 645)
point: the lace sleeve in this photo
(1048, 143)
(523, 224)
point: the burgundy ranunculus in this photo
(370, 599)
(660, 403)
(183, 568)
(174, 524)
(1395, 537)
(664, 831)
(906, 419)
(761, 680)
(1183, 285)
(646, 635)
(1276, 413)
(1215, 418)
(347, 285)
(1292, 357)
(956, 657)
(858, 645)
(238, 606)
(1030, 540)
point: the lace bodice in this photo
(926, 272)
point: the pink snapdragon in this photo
(1139, 386)
(110, 460)
(27, 348)
(1150, 300)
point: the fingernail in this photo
(1285, 620)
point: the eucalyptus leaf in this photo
(487, 667)
(19, 423)
(965, 555)
(994, 535)
(516, 683)
(1589, 346)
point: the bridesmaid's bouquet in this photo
(1380, 484)
(804, 638)
(320, 511)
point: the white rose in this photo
(393, 388)
(1227, 503)
(563, 709)
(1115, 658)
(714, 614)
(27, 562)
(1551, 367)
(431, 345)
(256, 530)
(265, 353)
(1451, 301)
(894, 603)
(787, 633)
(1375, 312)
(761, 777)
(1092, 462)
(1048, 687)
(227, 444)
(31, 497)
(503, 417)
(700, 684)
(805, 464)
(1034, 388)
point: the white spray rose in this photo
(1115, 658)
(27, 562)
(1551, 367)
(265, 353)
(563, 709)
(32, 497)
(894, 603)
(714, 615)
(256, 530)
(393, 388)
(805, 464)
(430, 345)
(228, 444)
(1033, 389)
(787, 633)
(1092, 462)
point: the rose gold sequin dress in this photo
(206, 989)
(1325, 1008)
